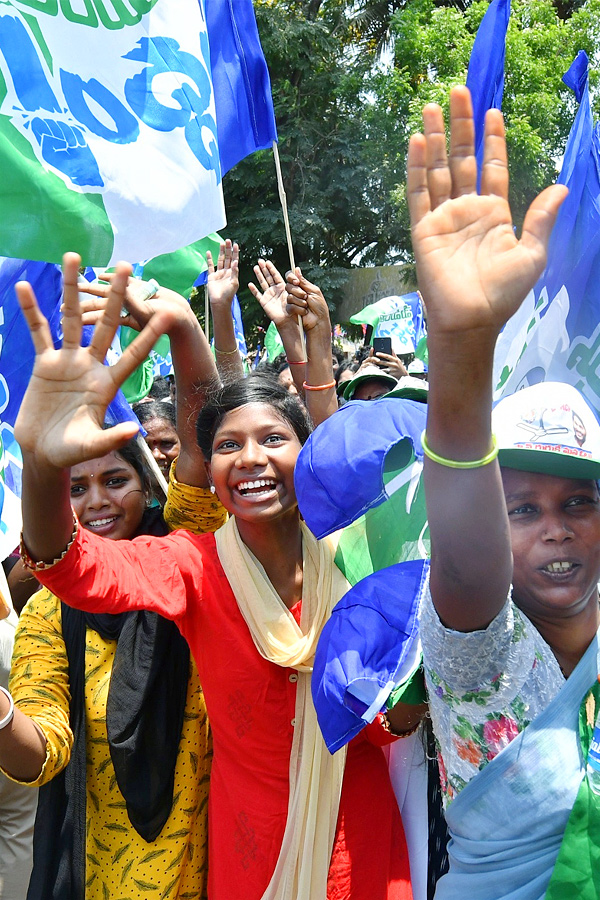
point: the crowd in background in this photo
(160, 714)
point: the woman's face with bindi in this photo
(107, 496)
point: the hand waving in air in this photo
(139, 309)
(306, 300)
(271, 295)
(61, 417)
(223, 281)
(472, 270)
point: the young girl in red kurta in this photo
(287, 820)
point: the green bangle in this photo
(460, 464)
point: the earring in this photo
(148, 502)
(212, 488)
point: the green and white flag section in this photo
(108, 135)
(400, 318)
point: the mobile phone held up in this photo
(382, 345)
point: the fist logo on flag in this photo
(114, 108)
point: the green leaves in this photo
(345, 115)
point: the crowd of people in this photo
(159, 714)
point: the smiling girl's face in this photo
(555, 537)
(107, 496)
(254, 453)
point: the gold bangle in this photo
(318, 387)
(41, 565)
(460, 464)
(227, 352)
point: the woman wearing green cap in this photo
(506, 677)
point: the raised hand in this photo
(472, 270)
(272, 294)
(61, 417)
(223, 281)
(140, 310)
(307, 301)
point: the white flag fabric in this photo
(108, 135)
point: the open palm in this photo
(223, 280)
(472, 270)
(271, 294)
(61, 417)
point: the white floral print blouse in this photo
(484, 688)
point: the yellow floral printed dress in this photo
(120, 865)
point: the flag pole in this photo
(206, 313)
(288, 233)
(152, 465)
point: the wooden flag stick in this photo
(206, 313)
(288, 233)
(152, 465)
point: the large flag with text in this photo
(555, 335)
(110, 126)
(400, 318)
(108, 130)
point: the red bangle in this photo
(292, 362)
(318, 387)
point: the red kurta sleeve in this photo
(155, 573)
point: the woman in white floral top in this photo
(506, 677)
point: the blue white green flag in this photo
(555, 335)
(108, 132)
(398, 317)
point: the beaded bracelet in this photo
(460, 464)
(41, 565)
(318, 387)
(11, 710)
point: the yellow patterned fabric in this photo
(119, 863)
(193, 508)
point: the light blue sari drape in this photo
(507, 824)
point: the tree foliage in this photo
(345, 114)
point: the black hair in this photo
(275, 366)
(280, 364)
(347, 366)
(361, 354)
(156, 409)
(258, 387)
(161, 389)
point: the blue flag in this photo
(555, 335)
(243, 101)
(368, 646)
(236, 312)
(360, 471)
(485, 77)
